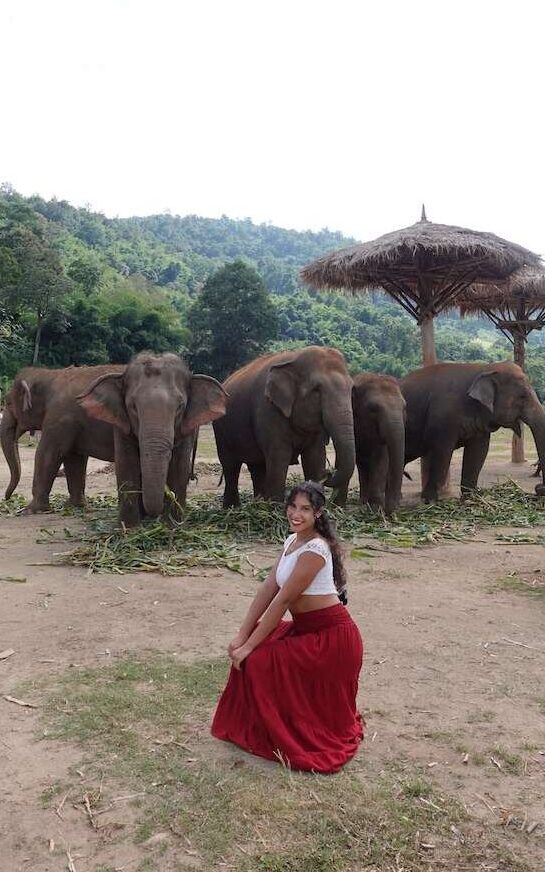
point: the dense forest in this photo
(79, 288)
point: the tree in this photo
(232, 321)
(39, 282)
(111, 327)
(85, 273)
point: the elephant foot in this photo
(231, 502)
(36, 508)
(129, 522)
(376, 507)
(338, 499)
(429, 496)
(540, 490)
(391, 508)
(75, 503)
(173, 514)
(129, 516)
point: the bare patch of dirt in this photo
(452, 681)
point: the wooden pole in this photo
(429, 357)
(427, 338)
(517, 443)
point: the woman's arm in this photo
(265, 594)
(307, 566)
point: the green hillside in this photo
(78, 287)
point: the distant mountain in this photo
(182, 251)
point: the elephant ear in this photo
(281, 388)
(207, 401)
(483, 389)
(27, 396)
(104, 401)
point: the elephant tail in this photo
(192, 474)
(9, 434)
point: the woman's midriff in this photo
(313, 602)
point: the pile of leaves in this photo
(208, 535)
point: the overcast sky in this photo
(302, 113)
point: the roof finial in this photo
(423, 217)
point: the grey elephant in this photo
(379, 430)
(46, 400)
(281, 407)
(454, 405)
(155, 406)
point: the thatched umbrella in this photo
(516, 308)
(424, 267)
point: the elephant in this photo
(45, 399)
(282, 406)
(379, 430)
(454, 405)
(156, 407)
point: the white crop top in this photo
(322, 583)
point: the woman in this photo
(291, 694)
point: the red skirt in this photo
(294, 699)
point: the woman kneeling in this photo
(291, 694)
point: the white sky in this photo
(306, 113)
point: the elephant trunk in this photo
(535, 418)
(10, 447)
(340, 426)
(155, 456)
(395, 443)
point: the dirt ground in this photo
(453, 680)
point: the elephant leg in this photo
(313, 461)
(475, 453)
(47, 462)
(378, 473)
(258, 471)
(129, 481)
(363, 476)
(438, 465)
(392, 494)
(277, 463)
(231, 472)
(75, 467)
(179, 471)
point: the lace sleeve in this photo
(316, 546)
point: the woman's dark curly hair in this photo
(325, 527)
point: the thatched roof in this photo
(423, 253)
(525, 289)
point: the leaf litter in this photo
(209, 536)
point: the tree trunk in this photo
(517, 443)
(37, 339)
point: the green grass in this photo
(534, 587)
(145, 722)
(509, 762)
(50, 793)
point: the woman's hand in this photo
(239, 655)
(237, 642)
